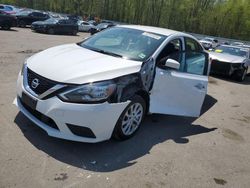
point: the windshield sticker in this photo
(154, 36)
(142, 55)
(219, 51)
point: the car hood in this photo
(77, 65)
(206, 42)
(226, 57)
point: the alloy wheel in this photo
(132, 119)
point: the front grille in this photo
(44, 83)
(45, 119)
(219, 67)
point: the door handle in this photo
(200, 86)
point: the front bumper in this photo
(99, 118)
(38, 28)
(224, 68)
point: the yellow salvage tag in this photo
(219, 51)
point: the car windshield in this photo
(51, 20)
(232, 51)
(23, 13)
(124, 42)
(8, 8)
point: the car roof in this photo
(157, 30)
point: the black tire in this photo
(22, 24)
(6, 27)
(51, 31)
(240, 75)
(118, 132)
(74, 32)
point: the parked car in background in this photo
(209, 43)
(105, 85)
(25, 18)
(246, 46)
(55, 26)
(7, 21)
(8, 9)
(57, 15)
(93, 22)
(237, 44)
(101, 27)
(231, 61)
(74, 17)
(85, 26)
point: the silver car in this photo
(209, 43)
(230, 60)
(85, 26)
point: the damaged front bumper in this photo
(77, 122)
(225, 68)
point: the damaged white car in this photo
(231, 61)
(104, 86)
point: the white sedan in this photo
(104, 86)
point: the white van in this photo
(104, 86)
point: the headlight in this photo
(94, 92)
(23, 67)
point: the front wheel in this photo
(74, 32)
(241, 75)
(51, 31)
(22, 24)
(6, 27)
(131, 119)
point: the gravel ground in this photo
(168, 151)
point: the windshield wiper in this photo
(106, 52)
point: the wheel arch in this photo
(146, 98)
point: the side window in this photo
(171, 51)
(35, 14)
(42, 15)
(192, 45)
(69, 22)
(61, 21)
(196, 61)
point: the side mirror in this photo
(171, 63)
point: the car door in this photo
(180, 92)
(68, 26)
(61, 26)
(31, 18)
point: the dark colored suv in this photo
(54, 26)
(27, 18)
(7, 21)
